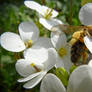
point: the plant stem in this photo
(71, 12)
(43, 2)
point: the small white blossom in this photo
(37, 62)
(46, 15)
(63, 49)
(29, 34)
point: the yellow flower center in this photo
(28, 43)
(48, 13)
(32, 64)
(62, 52)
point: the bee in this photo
(78, 48)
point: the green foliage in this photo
(83, 2)
(12, 15)
(72, 68)
(62, 74)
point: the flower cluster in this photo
(41, 54)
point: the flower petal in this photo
(90, 63)
(65, 63)
(81, 80)
(85, 14)
(88, 43)
(51, 83)
(58, 40)
(33, 82)
(24, 68)
(45, 8)
(33, 5)
(12, 42)
(50, 63)
(49, 23)
(42, 42)
(28, 31)
(38, 56)
(29, 77)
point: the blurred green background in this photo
(12, 13)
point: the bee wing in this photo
(67, 29)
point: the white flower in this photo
(80, 81)
(37, 62)
(63, 49)
(46, 16)
(85, 16)
(29, 36)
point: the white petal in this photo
(33, 82)
(44, 9)
(49, 23)
(33, 5)
(29, 77)
(90, 63)
(65, 63)
(85, 14)
(81, 80)
(50, 63)
(24, 68)
(60, 62)
(51, 83)
(42, 42)
(88, 43)
(58, 40)
(12, 42)
(38, 56)
(28, 31)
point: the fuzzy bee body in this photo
(78, 48)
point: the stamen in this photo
(28, 44)
(62, 52)
(34, 66)
(48, 13)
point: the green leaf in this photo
(72, 68)
(83, 2)
(62, 74)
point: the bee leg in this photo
(84, 56)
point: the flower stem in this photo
(38, 70)
(71, 12)
(16, 56)
(43, 2)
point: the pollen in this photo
(48, 13)
(62, 52)
(32, 64)
(28, 43)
